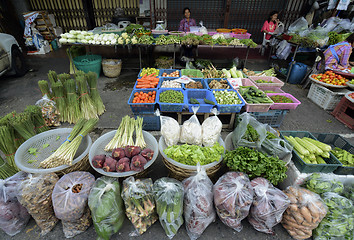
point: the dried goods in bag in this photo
(106, 207)
(233, 196)
(268, 205)
(69, 198)
(13, 216)
(211, 129)
(168, 194)
(198, 203)
(305, 212)
(191, 131)
(139, 203)
(35, 194)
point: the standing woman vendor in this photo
(186, 22)
(270, 24)
(337, 56)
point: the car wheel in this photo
(18, 62)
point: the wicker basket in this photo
(111, 70)
(181, 171)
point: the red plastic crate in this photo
(344, 112)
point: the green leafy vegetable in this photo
(33, 151)
(45, 145)
(320, 184)
(192, 154)
(57, 138)
(31, 161)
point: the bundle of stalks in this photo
(140, 142)
(91, 78)
(130, 127)
(63, 77)
(5, 121)
(73, 107)
(6, 170)
(37, 118)
(7, 145)
(59, 99)
(88, 109)
(23, 124)
(44, 86)
(79, 73)
(53, 77)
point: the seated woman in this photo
(270, 24)
(337, 56)
(186, 22)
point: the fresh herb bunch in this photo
(6, 170)
(140, 142)
(88, 109)
(44, 87)
(53, 77)
(116, 141)
(23, 124)
(73, 107)
(256, 164)
(91, 79)
(37, 118)
(59, 99)
(7, 145)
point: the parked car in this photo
(11, 56)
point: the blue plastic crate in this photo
(150, 122)
(158, 86)
(273, 118)
(169, 71)
(200, 94)
(208, 80)
(142, 70)
(303, 167)
(162, 79)
(140, 108)
(229, 108)
(171, 107)
(205, 86)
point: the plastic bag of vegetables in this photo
(198, 203)
(191, 131)
(139, 203)
(35, 194)
(305, 212)
(168, 194)
(13, 216)
(106, 207)
(170, 130)
(211, 129)
(339, 222)
(69, 198)
(233, 196)
(321, 183)
(268, 205)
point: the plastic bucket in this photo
(298, 72)
(87, 63)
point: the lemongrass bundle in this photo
(6, 170)
(139, 141)
(23, 124)
(73, 107)
(79, 73)
(7, 145)
(37, 118)
(63, 77)
(44, 87)
(55, 160)
(91, 78)
(88, 109)
(130, 131)
(53, 77)
(5, 121)
(117, 139)
(59, 99)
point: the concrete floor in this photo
(16, 93)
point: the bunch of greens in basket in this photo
(7, 145)
(88, 109)
(5, 169)
(37, 118)
(44, 87)
(59, 99)
(73, 107)
(23, 124)
(91, 78)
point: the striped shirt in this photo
(343, 52)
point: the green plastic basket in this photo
(89, 63)
(332, 162)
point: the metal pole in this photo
(248, 50)
(140, 56)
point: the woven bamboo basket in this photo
(181, 171)
(82, 165)
(111, 70)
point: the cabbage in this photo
(71, 40)
(72, 32)
(63, 40)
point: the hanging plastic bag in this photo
(198, 203)
(13, 216)
(211, 129)
(191, 131)
(299, 25)
(170, 130)
(106, 207)
(69, 198)
(168, 194)
(139, 203)
(283, 50)
(202, 29)
(268, 205)
(321, 183)
(343, 25)
(35, 194)
(233, 196)
(305, 212)
(249, 132)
